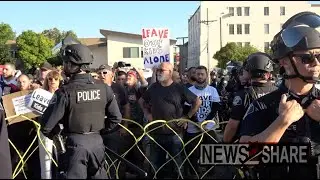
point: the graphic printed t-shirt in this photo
(207, 95)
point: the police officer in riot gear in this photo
(291, 113)
(259, 66)
(81, 106)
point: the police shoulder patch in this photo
(237, 101)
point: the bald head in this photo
(24, 82)
(164, 73)
(167, 65)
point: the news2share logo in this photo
(254, 154)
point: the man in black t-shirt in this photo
(164, 100)
(135, 91)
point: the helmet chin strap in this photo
(298, 75)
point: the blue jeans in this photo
(172, 144)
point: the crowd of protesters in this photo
(163, 96)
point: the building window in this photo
(266, 11)
(239, 28)
(130, 52)
(282, 11)
(247, 29)
(247, 43)
(266, 28)
(239, 44)
(239, 12)
(141, 52)
(231, 11)
(247, 11)
(266, 46)
(231, 28)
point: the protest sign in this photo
(39, 100)
(16, 104)
(156, 46)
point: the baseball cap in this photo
(133, 73)
(105, 66)
(46, 66)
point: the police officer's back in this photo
(81, 106)
(259, 66)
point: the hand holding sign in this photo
(156, 48)
(40, 100)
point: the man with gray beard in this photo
(164, 100)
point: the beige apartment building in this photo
(242, 22)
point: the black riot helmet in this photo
(259, 62)
(300, 32)
(76, 57)
(77, 54)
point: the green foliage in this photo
(34, 49)
(232, 51)
(6, 33)
(56, 35)
(5, 55)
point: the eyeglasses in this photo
(307, 58)
(51, 79)
(94, 76)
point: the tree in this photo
(5, 55)
(6, 33)
(232, 51)
(56, 35)
(34, 49)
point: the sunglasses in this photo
(307, 58)
(51, 79)
(104, 72)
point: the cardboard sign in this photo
(39, 100)
(16, 104)
(156, 46)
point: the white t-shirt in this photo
(207, 96)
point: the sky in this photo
(87, 18)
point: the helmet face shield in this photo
(311, 20)
(293, 35)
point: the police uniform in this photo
(81, 106)
(264, 111)
(244, 98)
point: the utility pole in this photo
(220, 32)
(208, 33)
